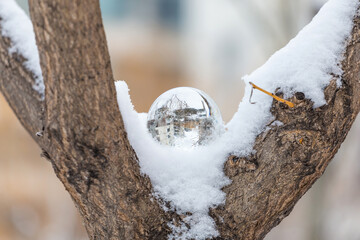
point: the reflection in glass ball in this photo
(184, 117)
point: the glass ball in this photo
(184, 117)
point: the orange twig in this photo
(290, 104)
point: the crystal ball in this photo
(184, 117)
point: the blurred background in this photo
(156, 45)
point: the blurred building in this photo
(156, 45)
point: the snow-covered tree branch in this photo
(127, 186)
(21, 79)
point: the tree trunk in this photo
(83, 134)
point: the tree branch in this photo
(291, 157)
(16, 84)
(85, 140)
(87, 143)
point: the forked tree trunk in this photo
(83, 134)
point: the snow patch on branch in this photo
(16, 25)
(191, 180)
(313, 57)
(306, 64)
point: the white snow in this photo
(191, 179)
(16, 25)
(305, 65)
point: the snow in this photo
(191, 179)
(16, 25)
(306, 63)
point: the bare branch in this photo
(87, 141)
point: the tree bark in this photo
(85, 140)
(16, 85)
(84, 136)
(290, 158)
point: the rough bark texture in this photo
(84, 137)
(16, 85)
(290, 158)
(83, 128)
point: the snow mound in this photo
(191, 180)
(16, 25)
